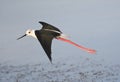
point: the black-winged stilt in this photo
(47, 34)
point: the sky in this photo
(92, 23)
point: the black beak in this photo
(21, 37)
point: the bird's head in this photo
(29, 32)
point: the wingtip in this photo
(41, 22)
(50, 61)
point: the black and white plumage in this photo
(47, 34)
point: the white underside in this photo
(63, 36)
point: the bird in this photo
(49, 32)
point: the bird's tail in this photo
(65, 39)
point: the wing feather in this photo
(46, 42)
(48, 26)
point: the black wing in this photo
(46, 42)
(48, 26)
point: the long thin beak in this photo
(21, 37)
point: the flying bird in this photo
(47, 34)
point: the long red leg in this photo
(91, 51)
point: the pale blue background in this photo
(92, 23)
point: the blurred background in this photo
(92, 23)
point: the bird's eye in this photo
(29, 32)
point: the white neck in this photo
(33, 34)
